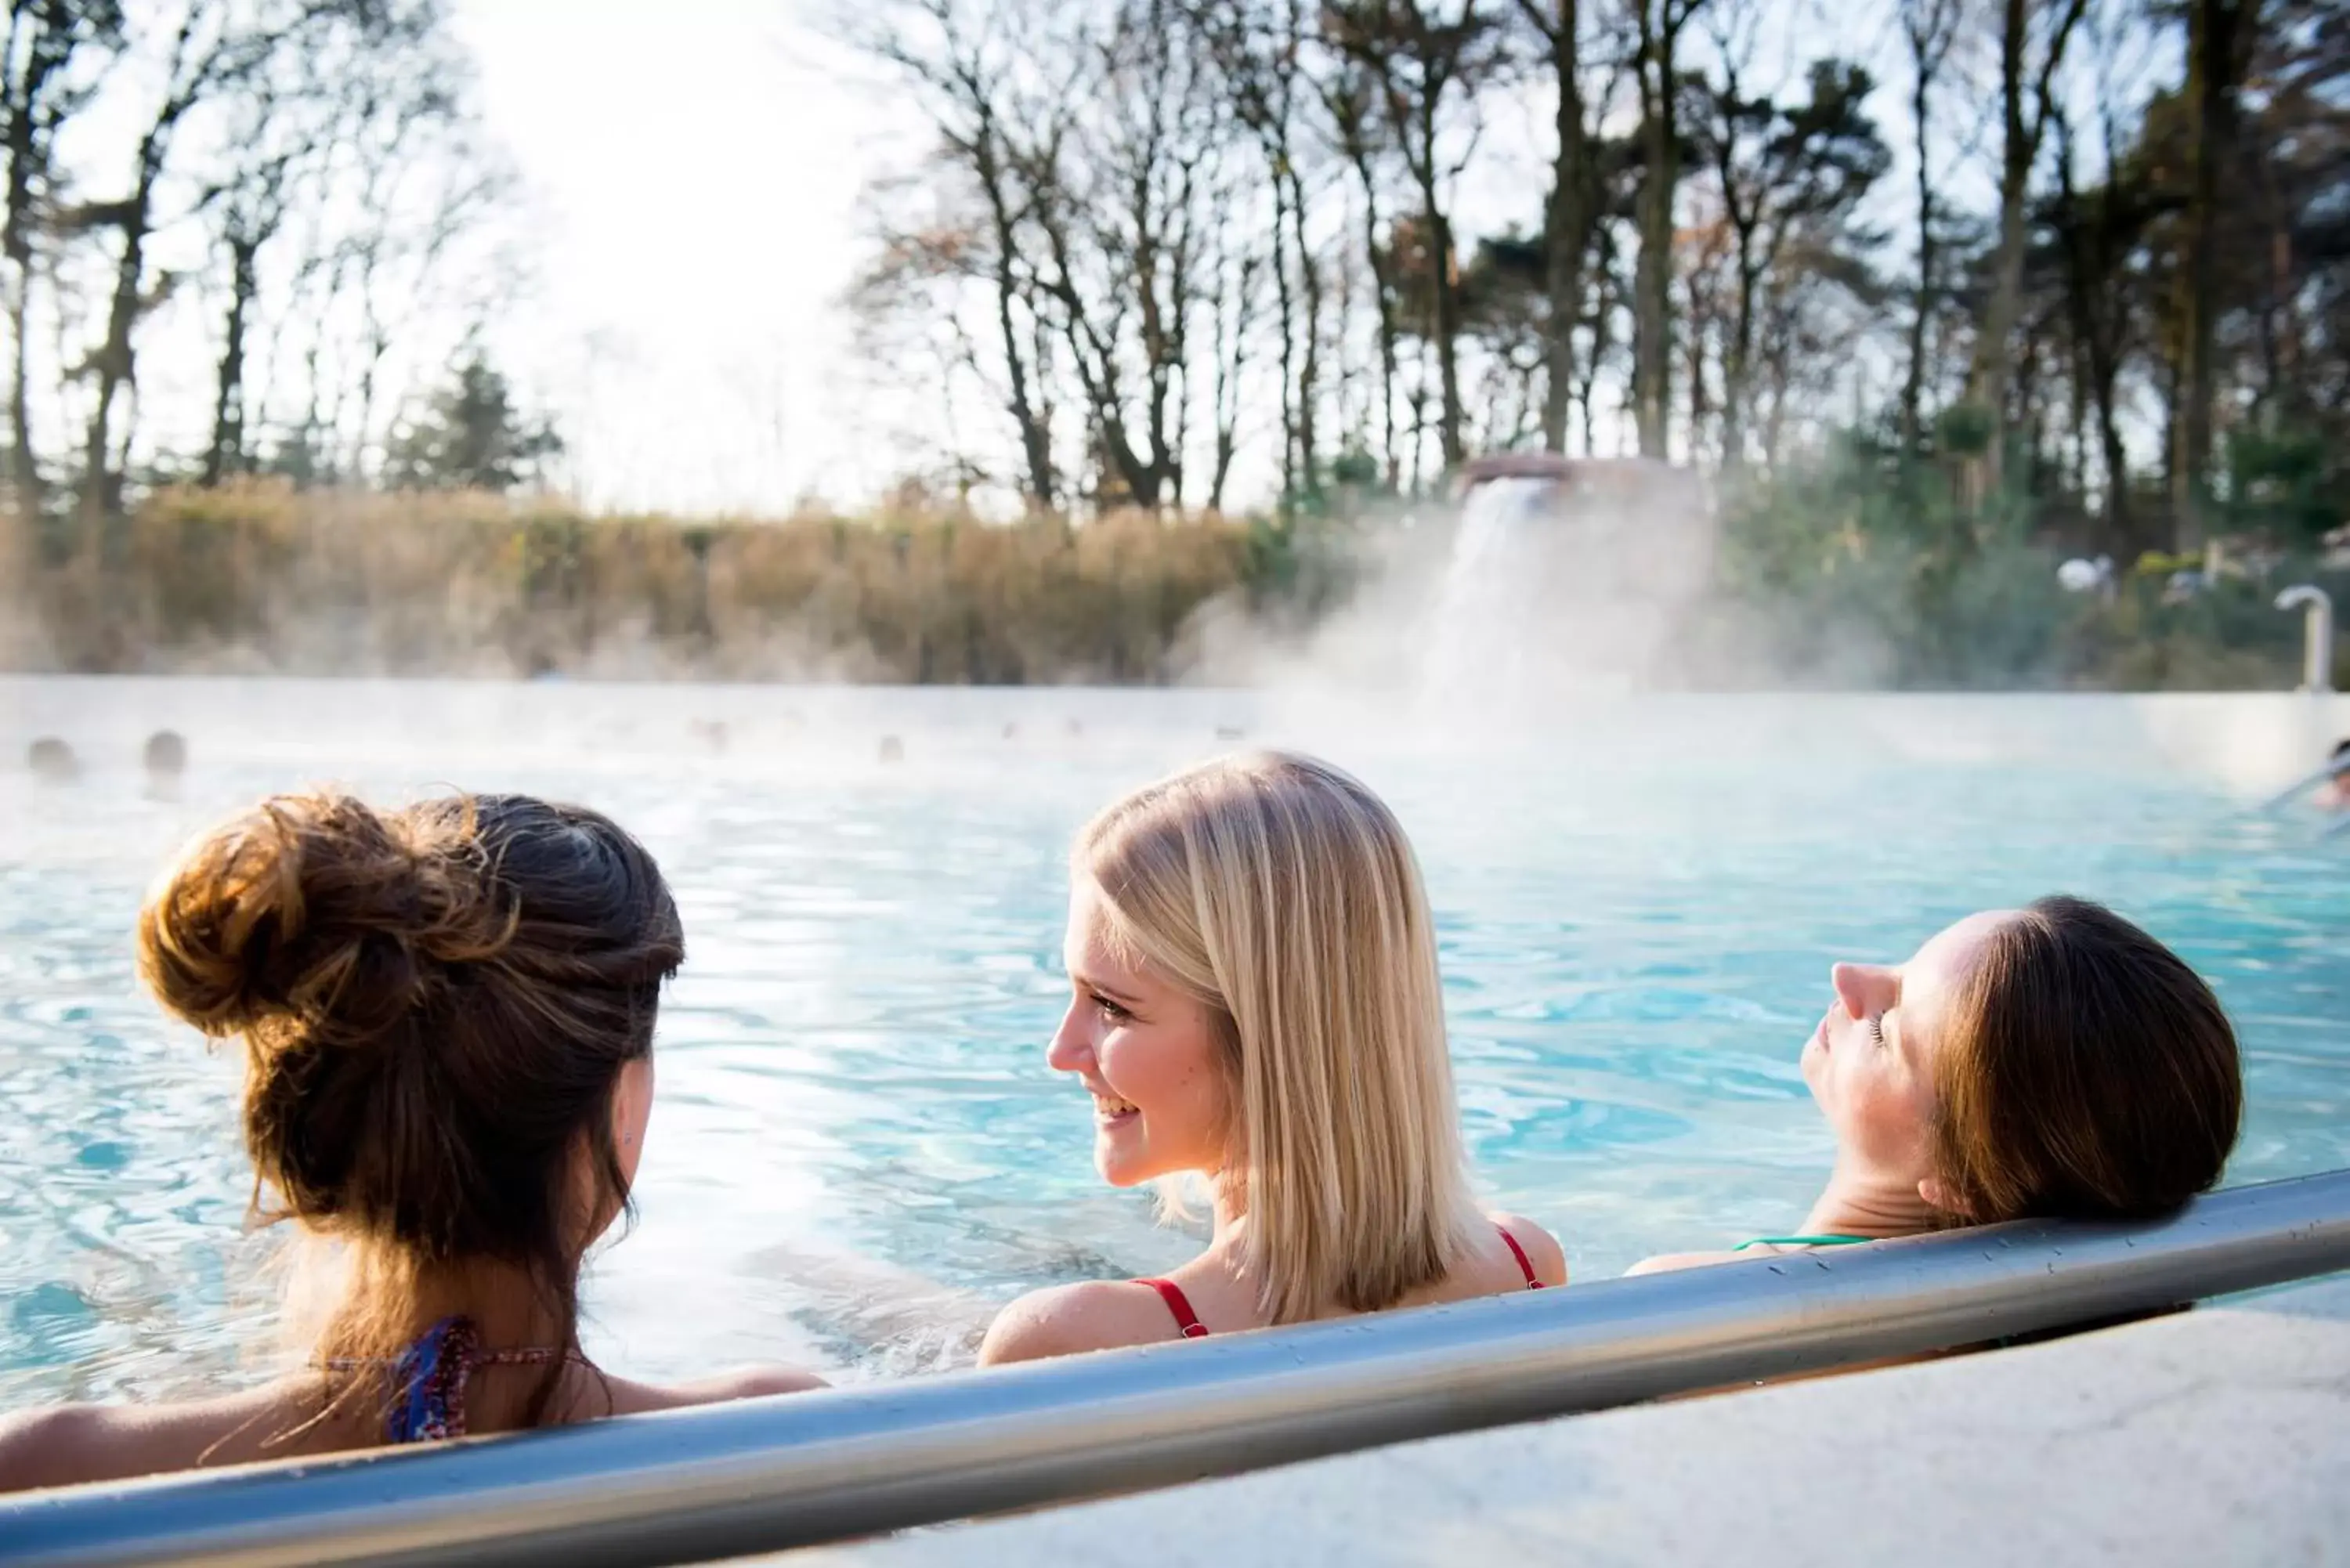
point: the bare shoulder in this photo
(630, 1397)
(1667, 1262)
(70, 1445)
(1542, 1247)
(54, 1446)
(1065, 1319)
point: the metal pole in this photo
(689, 1486)
(2316, 634)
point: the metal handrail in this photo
(2316, 633)
(767, 1474)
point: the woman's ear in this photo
(632, 1109)
(1942, 1199)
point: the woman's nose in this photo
(1863, 989)
(1072, 1049)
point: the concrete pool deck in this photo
(2219, 1436)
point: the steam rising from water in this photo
(1590, 582)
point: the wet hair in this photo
(1281, 895)
(52, 759)
(2085, 1071)
(166, 753)
(436, 1004)
(2340, 759)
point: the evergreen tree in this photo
(471, 436)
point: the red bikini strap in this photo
(1181, 1305)
(1520, 1255)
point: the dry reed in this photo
(261, 577)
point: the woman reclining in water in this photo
(448, 1020)
(1256, 999)
(2051, 1062)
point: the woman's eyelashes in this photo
(1110, 1011)
(1875, 1022)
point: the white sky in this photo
(694, 168)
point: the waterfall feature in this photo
(1490, 607)
(1580, 583)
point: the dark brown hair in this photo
(437, 1002)
(2087, 1072)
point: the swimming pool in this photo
(1638, 902)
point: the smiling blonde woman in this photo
(1255, 998)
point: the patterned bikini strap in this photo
(430, 1378)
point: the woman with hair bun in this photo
(447, 1014)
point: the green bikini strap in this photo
(1803, 1242)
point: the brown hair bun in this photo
(437, 1002)
(313, 917)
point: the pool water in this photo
(857, 1147)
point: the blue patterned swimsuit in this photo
(429, 1379)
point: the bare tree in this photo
(1658, 25)
(977, 72)
(38, 94)
(1351, 100)
(2027, 96)
(1425, 58)
(2221, 37)
(1928, 28)
(1258, 50)
(1114, 192)
(1781, 173)
(211, 51)
(1572, 217)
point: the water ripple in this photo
(852, 1061)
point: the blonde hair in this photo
(1282, 895)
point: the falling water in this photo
(1579, 584)
(1489, 611)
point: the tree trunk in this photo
(1922, 311)
(2019, 150)
(2216, 32)
(1652, 306)
(23, 153)
(1443, 285)
(2089, 263)
(1928, 23)
(1448, 330)
(1036, 436)
(1383, 292)
(226, 456)
(42, 40)
(101, 493)
(1738, 362)
(23, 464)
(1566, 235)
(1309, 371)
(1993, 371)
(1602, 315)
(1286, 308)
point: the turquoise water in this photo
(857, 1145)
